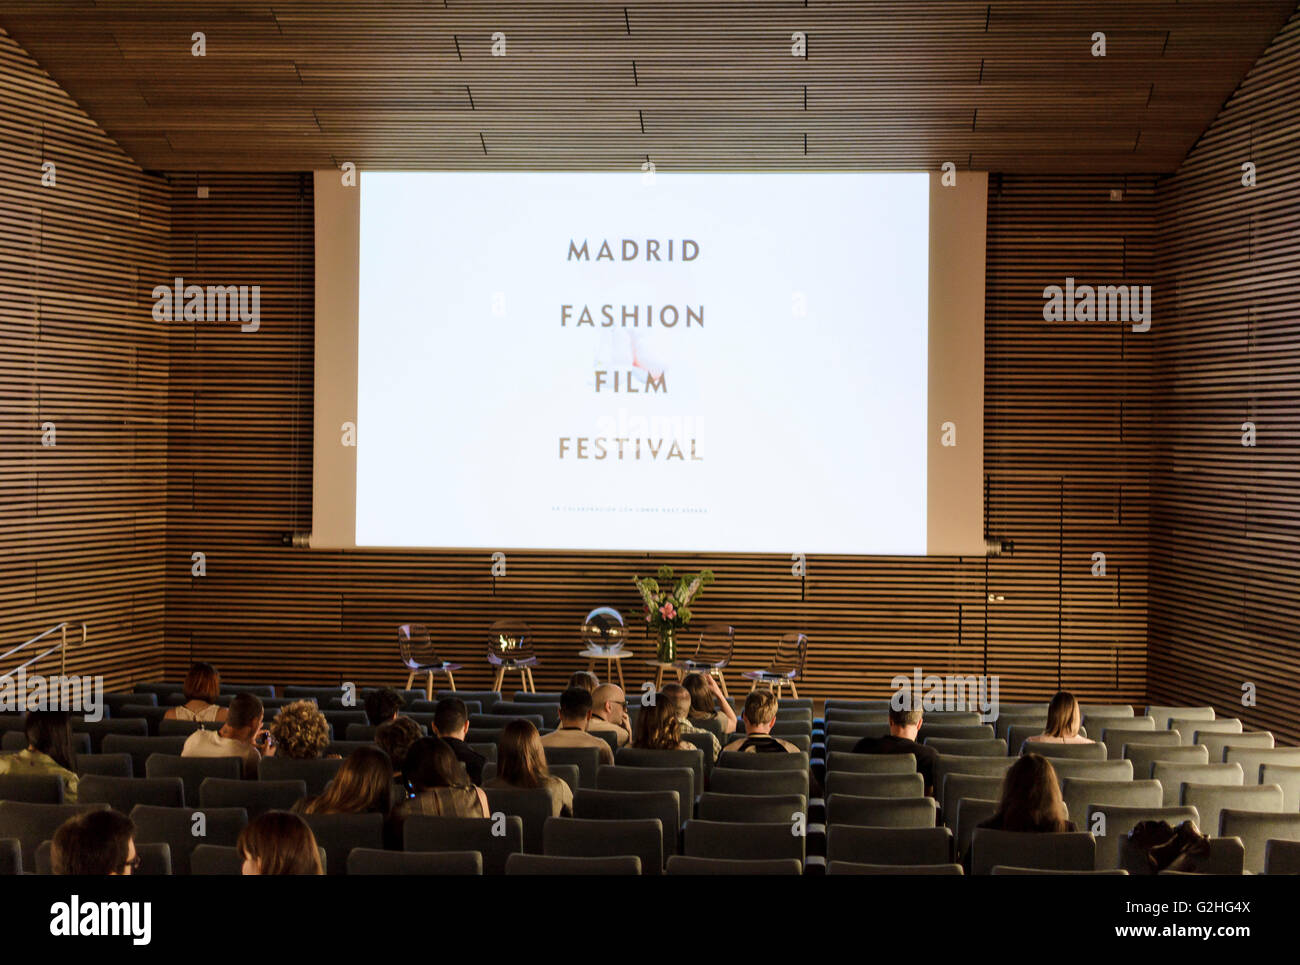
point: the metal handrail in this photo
(61, 647)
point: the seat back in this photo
(870, 763)
(1190, 728)
(1116, 737)
(582, 838)
(1144, 756)
(1252, 759)
(376, 861)
(192, 771)
(1106, 710)
(856, 868)
(30, 824)
(732, 780)
(416, 647)
(882, 812)
(744, 760)
(32, 788)
(422, 832)
(338, 834)
(1163, 715)
(550, 713)
(1097, 724)
(875, 785)
(11, 857)
(255, 797)
(175, 827)
(141, 747)
(1059, 851)
(754, 808)
(889, 846)
(986, 787)
(16, 740)
(1210, 800)
(532, 805)
(1092, 770)
(99, 729)
(663, 806)
(970, 812)
(983, 766)
(1172, 776)
(537, 864)
(316, 774)
(1080, 792)
(1256, 829)
(105, 765)
(1280, 857)
(1285, 776)
(721, 839)
(641, 757)
(965, 732)
(985, 747)
(611, 777)
(1030, 724)
(1218, 744)
(1094, 751)
(124, 793)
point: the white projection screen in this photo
(688, 362)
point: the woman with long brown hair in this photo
(363, 785)
(708, 704)
(657, 726)
(1031, 799)
(521, 763)
(1063, 719)
(279, 843)
(49, 751)
(441, 786)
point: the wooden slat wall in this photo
(1068, 438)
(81, 523)
(1226, 518)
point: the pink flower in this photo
(667, 612)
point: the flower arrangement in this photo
(667, 611)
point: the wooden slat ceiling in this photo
(1005, 86)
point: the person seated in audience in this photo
(395, 739)
(521, 763)
(1031, 799)
(575, 714)
(100, 843)
(49, 751)
(707, 702)
(1063, 719)
(609, 713)
(451, 723)
(681, 700)
(584, 679)
(903, 726)
(759, 715)
(202, 687)
(300, 731)
(279, 843)
(363, 785)
(440, 785)
(657, 727)
(240, 736)
(382, 705)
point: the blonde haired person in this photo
(657, 727)
(759, 716)
(681, 699)
(202, 687)
(300, 731)
(1063, 719)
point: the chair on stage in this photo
(786, 666)
(604, 633)
(419, 657)
(713, 653)
(510, 647)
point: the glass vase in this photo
(667, 644)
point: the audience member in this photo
(609, 713)
(1031, 799)
(440, 785)
(1063, 719)
(382, 705)
(451, 721)
(575, 715)
(363, 785)
(521, 763)
(584, 679)
(279, 843)
(300, 731)
(759, 715)
(240, 736)
(49, 751)
(681, 698)
(708, 703)
(657, 726)
(903, 727)
(202, 687)
(395, 739)
(95, 843)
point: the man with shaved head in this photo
(609, 713)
